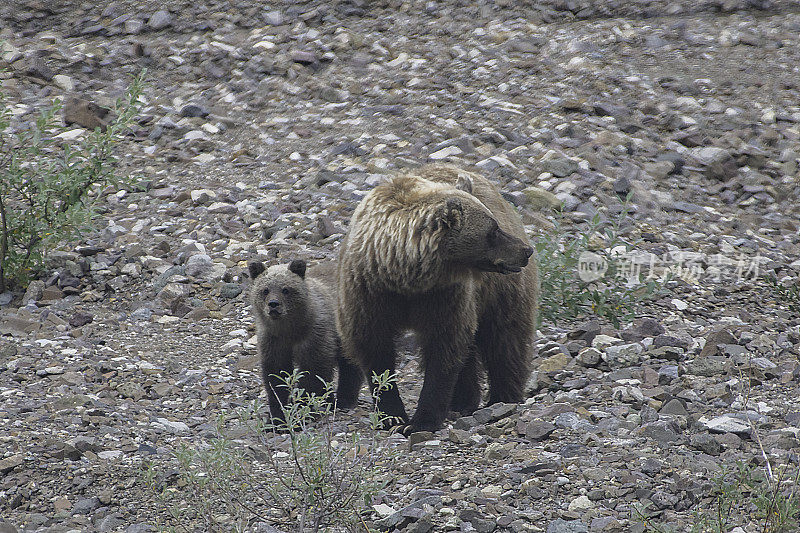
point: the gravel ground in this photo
(261, 129)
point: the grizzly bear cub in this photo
(438, 251)
(295, 328)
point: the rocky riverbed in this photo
(260, 130)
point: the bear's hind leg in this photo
(467, 391)
(505, 356)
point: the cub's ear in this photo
(255, 268)
(453, 213)
(464, 183)
(298, 266)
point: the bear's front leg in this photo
(443, 357)
(376, 352)
(388, 401)
(368, 328)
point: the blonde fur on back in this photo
(397, 229)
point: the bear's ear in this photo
(453, 213)
(255, 268)
(464, 183)
(298, 266)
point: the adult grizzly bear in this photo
(295, 328)
(438, 251)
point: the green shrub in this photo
(46, 184)
(299, 475)
(787, 292)
(739, 497)
(566, 296)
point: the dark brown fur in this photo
(295, 328)
(438, 251)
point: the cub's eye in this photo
(265, 292)
(285, 290)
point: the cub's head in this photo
(279, 292)
(473, 238)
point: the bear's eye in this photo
(265, 292)
(285, 290)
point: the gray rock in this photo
(110, 523)
(623, 355)
(194, 110)
(729, 423)
(419, 437)
(494, 412)
(465, 422)
(133, 26)
(10, 463)
(651, 466)
(560, 167)
(674, 407)
(34, 291)
(664, 500)
(160, 20)
(536, 430)
(139, 527)
(589, 357)
(273, 18)
(574, 422)
(481, 523)
(199, 265)
(715, 365)
(665, 432)
(560, 525)
(86, 505)
(706, 444)
(142, 313)
(395, 518)
(230, 290)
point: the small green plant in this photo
(46, 183)
(742, 496)
(564, 295)
(786, 292)
(296, 474)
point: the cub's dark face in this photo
(475, 240)
(280, 293)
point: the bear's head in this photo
(411, 234)
(474, 239)
(279, 293)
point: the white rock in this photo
(446, 152)
(172, 427)
(601, 342)
(109, 454)
(581, 503)
(680, 305)
(63, 81)
(383, 510)
(202, 159)
(71, 135)
(202, 196)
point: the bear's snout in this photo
(274, 308)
